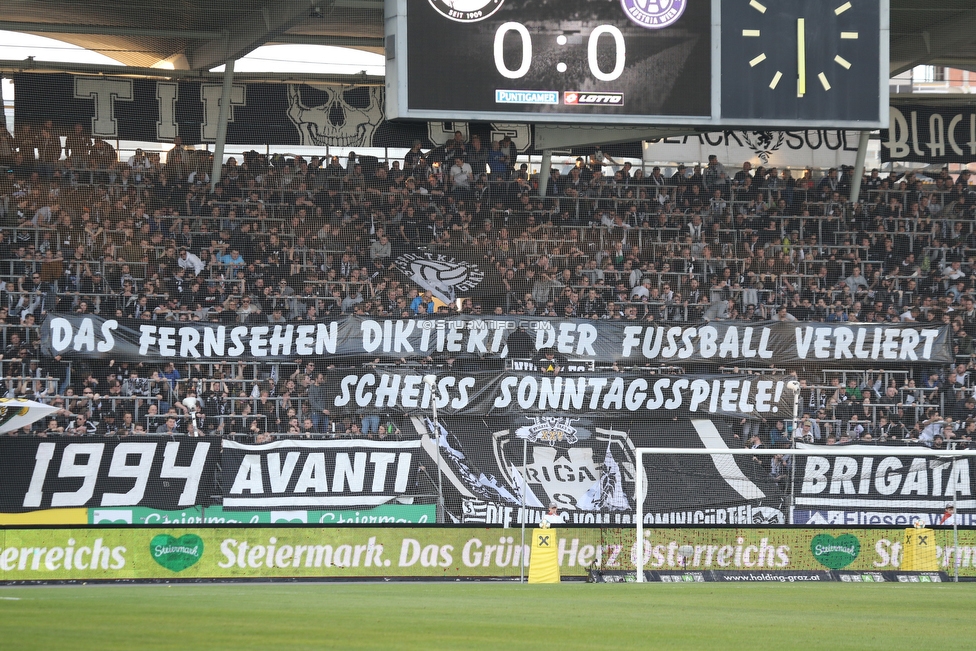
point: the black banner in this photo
(760, 343)
(319, 474)
(38, 473)
(493, 393)
(827, 487)
(584, 465)
(275, 114)
(587, 467)
(921, 133)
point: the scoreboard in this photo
(759, 63)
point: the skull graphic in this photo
(335, 116)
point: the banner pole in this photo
(431, 381)
(525, 452)
(955, 532)
(440, 481)
(639, 503)
(796, 428)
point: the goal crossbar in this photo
(810, 451)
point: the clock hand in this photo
(801, 58)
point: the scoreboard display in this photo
(690, 62)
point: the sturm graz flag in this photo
(448, 276)
(587, 467)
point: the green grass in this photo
(488, 616)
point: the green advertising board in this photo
(153, 553)
(216, 515)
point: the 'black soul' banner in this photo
(719, 342)
(930, 134)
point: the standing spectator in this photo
(78, 147)
(319, 403)
(48, 152)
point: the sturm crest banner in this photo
(38, 473)
(719, 342)
(587, 466)
(922, 133)
(274, 114)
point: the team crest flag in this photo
(448, 276)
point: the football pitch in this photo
(488, 616)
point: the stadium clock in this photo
(801, 59)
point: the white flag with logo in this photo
(612, 485)
(530, 497)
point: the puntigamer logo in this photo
(176, 554)
(466, 11)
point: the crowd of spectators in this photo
(281, 238)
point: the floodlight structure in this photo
(431, 381)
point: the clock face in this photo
(800, 59)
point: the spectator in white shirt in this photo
(461, 174)
(190, 262)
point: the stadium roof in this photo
(196, 34)
(202, 34)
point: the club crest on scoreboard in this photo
(467, 11)
(654, 14)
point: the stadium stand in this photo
(284, 238)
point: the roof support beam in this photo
(376, 5)
(251, 31)
(936, 40)
(44, 67)
(60, 28)
(218, 161)
(335, 41)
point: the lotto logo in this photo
(576, 98)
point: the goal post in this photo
(845, 470)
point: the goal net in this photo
(820, 489)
